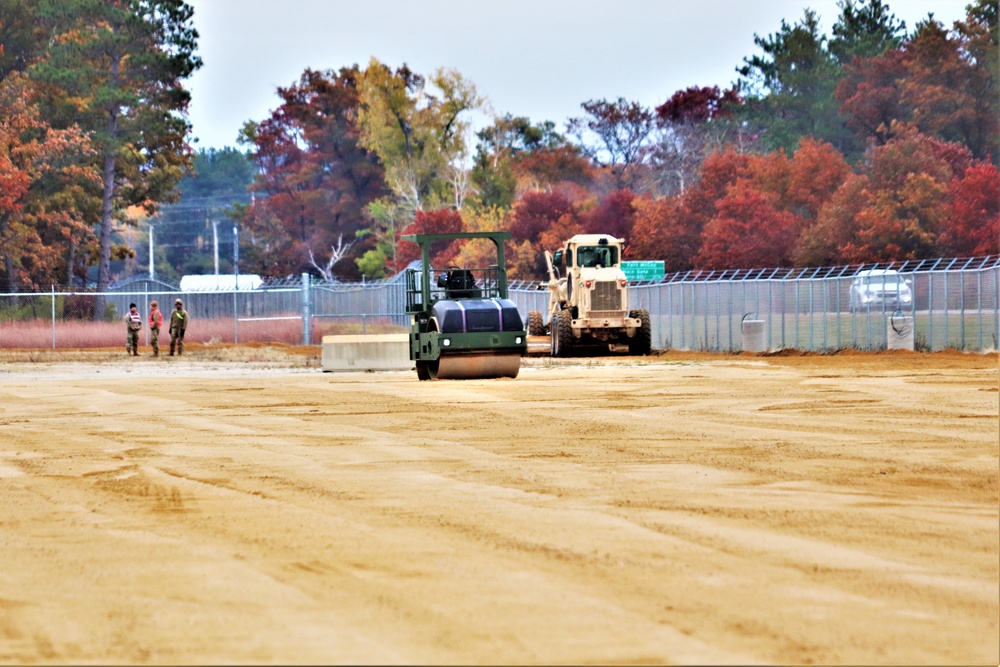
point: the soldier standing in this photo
(133, 323)
(155, 322)
(178, 324)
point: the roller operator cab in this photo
(463, 326)
(589, 300)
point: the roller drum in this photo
(475, 366)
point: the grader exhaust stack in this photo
(463, 325)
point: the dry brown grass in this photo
(273, 354)
(75, 334)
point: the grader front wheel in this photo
(561, 329)
(536, 325)
(642, 343)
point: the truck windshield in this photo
(594, 255)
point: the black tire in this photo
(561, 328)
(642, 343)
(536, 325)
(428, 370)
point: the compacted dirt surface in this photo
(679, 508)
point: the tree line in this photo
(873, 143)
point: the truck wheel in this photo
(561, 328)
(642, 342)
(536, 326)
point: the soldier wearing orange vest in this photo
(155, 322)
(133, 323)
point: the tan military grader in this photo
(588, 307)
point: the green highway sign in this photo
(649, 270)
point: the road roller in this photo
(463, 326)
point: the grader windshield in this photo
(597, 255)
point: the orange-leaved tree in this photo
(894, 209)
(46, 186)
(748, 230)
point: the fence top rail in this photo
(162, 294)
(779, 274)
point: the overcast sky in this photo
(535, 58)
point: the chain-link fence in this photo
(949, 304)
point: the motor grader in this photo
(463, 326)
(588, 307)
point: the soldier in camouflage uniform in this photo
(178, 325)
(133, 323)
(155, 322)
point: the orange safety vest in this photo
(159, 318)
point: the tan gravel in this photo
(677, 509)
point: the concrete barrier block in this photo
(380, 352)
(754, 335)
(899, 332)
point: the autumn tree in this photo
(540, 221)
(417, 128)
(116, 69)
(942, 82)
(314, 179)
(442, 253)
(748, 230)
(47, 192)
(513, 155)
(719, 171)
(499, 143)
(972, 225)
(895, 209)
(659, 233)
(869, 95)
(613, 215)
(622, 130)
(690, 125)
(950, 87)
(482, 252)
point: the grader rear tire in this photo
(561, 329)
(642, 343)
(536, 325)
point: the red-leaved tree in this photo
(748, 230)
(973, 226)
(442, 253)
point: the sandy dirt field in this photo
(684, 508)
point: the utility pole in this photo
(236, 254)
(215, 238)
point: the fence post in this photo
(961, 294)
(53, 287)
(979, 306)
(945, 346)
(305, 309)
